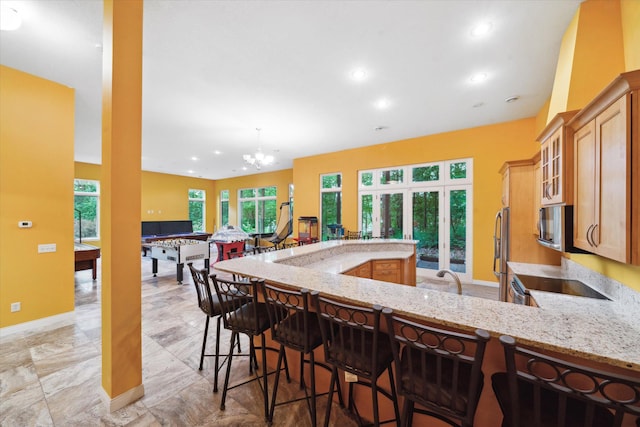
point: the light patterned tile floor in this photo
(52, 377)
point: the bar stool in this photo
(210, 306)
(243, 314)
(539, 390)
(437, 369)
(294, 327)
(353, 343)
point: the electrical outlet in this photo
(48, 247)
(350, 378)
(15, 306)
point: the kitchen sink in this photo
(560, 286)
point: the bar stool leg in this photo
(265, 388)
(215, 373)
(204, 342)
(226, 378)
(394, 395)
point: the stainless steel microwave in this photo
(556, 228)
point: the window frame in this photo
(256, 199)
(337, 189)
(95, 194)
(224, 198)
(203, 201)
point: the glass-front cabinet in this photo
(556, 161)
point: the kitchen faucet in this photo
(455, 277)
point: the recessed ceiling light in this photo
(478, 78)
(217, 152)
(511, 99)
(190, 171)
(359, 74)
(9, 19)
(379, 128)
(194, 158)
(481, 29)
(382, 104)
(478, 105)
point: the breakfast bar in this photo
(599, 332)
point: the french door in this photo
(436, 213)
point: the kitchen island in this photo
(597, 331)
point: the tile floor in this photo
(53, 376)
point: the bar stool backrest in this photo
(568, 392)
(207, 301)
(289, 317)
(349, 333)
(239, 304)
(438, 369)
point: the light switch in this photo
(48, 247)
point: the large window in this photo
(197, 209)
(224, 208)
(431, 203)
(258, 212)
(331, 205)
(86, 202)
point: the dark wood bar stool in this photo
(209, 304)
(539, 391)
(243, 314)
(354, 343)
(296, 328)
(437, 369)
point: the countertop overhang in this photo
(601, 331)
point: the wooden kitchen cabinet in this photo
(363, 270)
(606, 200)
(387, 270)
(556, 161)
(518, 186)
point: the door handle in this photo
(588, 234)
(593, 230)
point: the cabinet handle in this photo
(587, 235)
(593, 230)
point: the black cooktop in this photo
(560, 286)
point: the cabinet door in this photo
(585, 183)
(537, 178)
(505, 188)
(612, 227)
(552, 169)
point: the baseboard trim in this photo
(123, 399)
(43, 324)
(485, 283)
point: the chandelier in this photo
(259, 159)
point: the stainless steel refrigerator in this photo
(501, 250)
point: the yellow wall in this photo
(166, 197)
(489, 146)
(591, 55)
(281, 179)
(631, 33)
(36, 184)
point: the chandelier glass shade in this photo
(258, 159)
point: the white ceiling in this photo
(214, 71)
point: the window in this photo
(429, 202)
(86, 202)
(257, 207)
(331, 205)
(197, 209)
(224, 207)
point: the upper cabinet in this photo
(607, 159)
(556, 161)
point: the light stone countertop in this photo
(602, 331)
